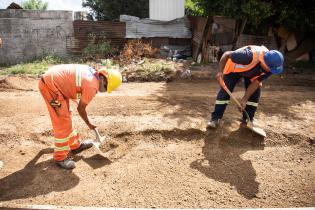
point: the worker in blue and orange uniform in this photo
(252, 63)
(79, 83)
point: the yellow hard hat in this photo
(113, 76)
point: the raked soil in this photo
(157, 152)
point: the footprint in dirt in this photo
(36, 179)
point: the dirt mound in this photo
(5, 84)
(239, 139)
(282, 139)
(17, 83)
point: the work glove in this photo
(55, 104)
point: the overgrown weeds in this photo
(98, 48)
(151, 70)
(135, 50)
(38, 65)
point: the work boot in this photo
(245, 124)
(66, 164)
(212, 124)
(83, 146)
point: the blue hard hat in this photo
(274, 60)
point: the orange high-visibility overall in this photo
(64, 82)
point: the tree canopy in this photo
(297, 15)
(112, 9)
(35, 4)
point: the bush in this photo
(97, 49)
(151, 70)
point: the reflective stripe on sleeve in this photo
(78, 79)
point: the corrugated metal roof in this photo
(145, 28)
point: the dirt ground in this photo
(158, 153)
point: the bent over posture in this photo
(79, 83)
(254, 64)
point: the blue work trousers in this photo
(223, 98)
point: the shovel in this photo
(99, 139)
(251, 126)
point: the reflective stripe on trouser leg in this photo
(221, 102)
(249, 103)
(64, 145)
(223, 98)
(251, 108)
(252, 103)
(62, 125)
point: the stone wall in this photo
(27, 34)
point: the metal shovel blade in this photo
(97, 146)
(98, 141)
(257, 130)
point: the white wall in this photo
(167, 9)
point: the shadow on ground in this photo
(222, 152)
(191, 99)
(36, 179)
(43, 178)
(223, 162)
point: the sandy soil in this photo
(158, 153)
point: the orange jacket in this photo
(258, 57)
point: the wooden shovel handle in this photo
(97, 134)
(222, 84)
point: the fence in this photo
(115, 32)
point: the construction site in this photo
(157, 152)
(152, 144)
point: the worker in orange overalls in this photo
(76, 82)
(252, 63)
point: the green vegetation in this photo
(112, 9)
(151, 70)
(98, 48)
(37, 66)
(35, 5)
(296, 15)
(191, 8)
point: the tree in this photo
(35, 4)
(112, 9)
(191, 8)
(296, 15)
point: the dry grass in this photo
(135, 50)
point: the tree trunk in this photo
(304, 46)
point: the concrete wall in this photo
(32, 33)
